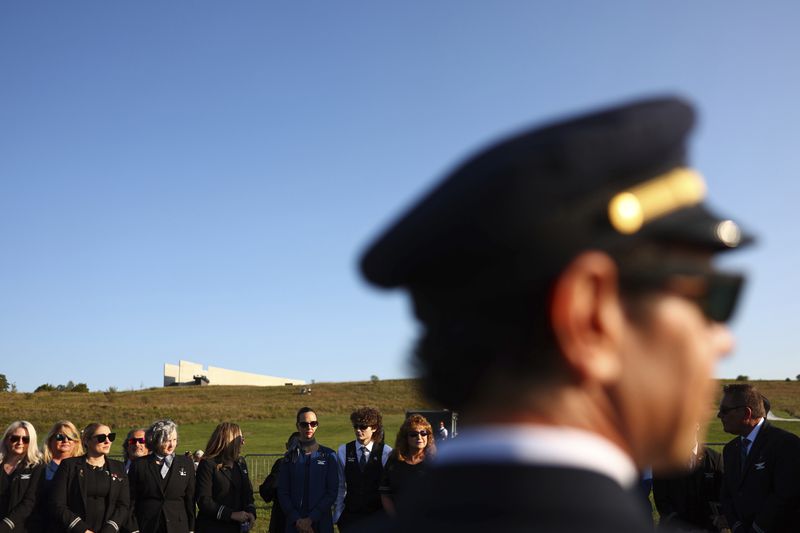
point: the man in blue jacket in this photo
(309, 480)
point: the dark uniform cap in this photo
(520, 210)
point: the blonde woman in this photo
(90, 493)
(62, 442)
(412, 447)
(223, 492)
(20, 473)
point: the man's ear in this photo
(587, 317)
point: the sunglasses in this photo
(13, 439)
(312, 424)
(361, 427)
(60, 437)
(101, 438)
(716, 293)
(135, 440)
(415, 434)
(725, 410)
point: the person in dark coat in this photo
(761, 485)
(162, 484)
(689, 500)
(91, 492)
(62, 442)
(361, 464)
(309, 480)
(414, 448)
(269, 490)
(21, 471)
(568, 302)
(224, 493)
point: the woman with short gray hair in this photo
(162, 483)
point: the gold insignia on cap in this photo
(631, 209)
(729, 233)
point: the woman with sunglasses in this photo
(20, 473)
(162, 484)
(223, 492)
(90, 493)
(308, 481)
(61, 442)
(412, 447)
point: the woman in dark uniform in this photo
(412, 447)
(21, 471)
(223, 493)
(90, 493)
(62, 442)
(162, 484)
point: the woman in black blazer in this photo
(162, 484)
(20, 473)
(62, 442)
(90, 493)
(224, 494)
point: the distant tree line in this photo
(69, 387)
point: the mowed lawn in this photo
(266, 414)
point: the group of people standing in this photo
(73, 486)
(360, 481)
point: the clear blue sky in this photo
(196, 179)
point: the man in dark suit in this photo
(162, 484)
(570, 313)
(761, 488)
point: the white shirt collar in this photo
(754, 432)
(540, 445)
(368, 446)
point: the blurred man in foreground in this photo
(572, 315)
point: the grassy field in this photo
(266, 414)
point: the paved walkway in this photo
(771, 416)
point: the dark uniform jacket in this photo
(764, 493)
(22, 494)
(269, 493)
(689, 501)
(307, 488)
(219, 493)
(68, 496)
(515, 498)
(362, 497)
(162, 504)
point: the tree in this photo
(3, 383)
(742, 377)
(798, 377)
(45, 387)
(80, 387)
(373, 378)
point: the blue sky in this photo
(197, 179)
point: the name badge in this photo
(24, 476)
(322, 462)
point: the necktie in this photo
(362, 463)
(165, 466)
(745, 445)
